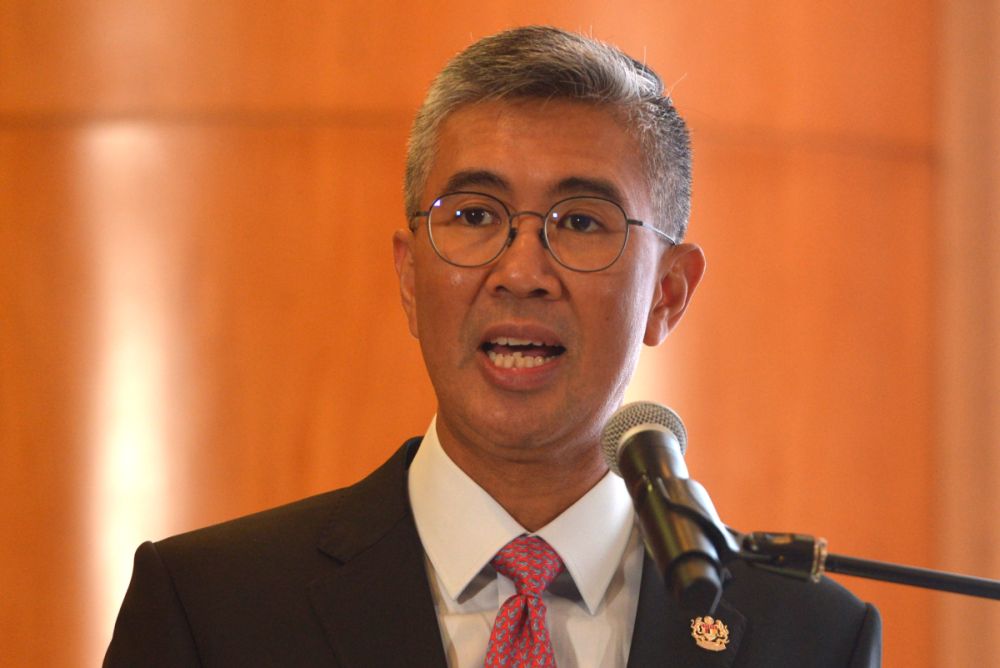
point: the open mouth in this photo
(511, 353)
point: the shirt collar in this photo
(462, 527)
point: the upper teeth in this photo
(511, 341)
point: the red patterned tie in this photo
(520, 638)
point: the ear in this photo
(402, 254)
(681, 269)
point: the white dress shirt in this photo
(591, 605)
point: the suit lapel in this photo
(376, 607)
(662, 634)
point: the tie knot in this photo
(530, 562)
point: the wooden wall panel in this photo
(968, 362)
(270, 321)
(849, 72)
(289, 277)
(806, 391)
(45, 372)
(197, 200)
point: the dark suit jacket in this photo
(339, 580)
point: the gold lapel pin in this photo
(708, 633)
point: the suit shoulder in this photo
(280, 524)
(295, 527)
(786, 613)
(755, 589)
(754, 586)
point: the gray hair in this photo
(544, 63)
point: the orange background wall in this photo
(198, 314)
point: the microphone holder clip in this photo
(792, 554)
(802, 556)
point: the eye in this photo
(476, 216)
(586, 217)
(580, 222)
(469, 211)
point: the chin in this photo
(541, 430)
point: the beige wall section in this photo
(199, 316)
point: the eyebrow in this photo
(473, 178)
(577, 185)
(573, 185)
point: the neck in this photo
(534, 485)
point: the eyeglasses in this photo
(587, 234)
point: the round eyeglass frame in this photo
(543, 234)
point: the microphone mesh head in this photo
(632, 415)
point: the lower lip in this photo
(519, 380)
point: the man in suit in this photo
(547, 193)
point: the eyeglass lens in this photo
(472, 229)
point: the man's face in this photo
(585, 329)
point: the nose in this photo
(526, 268)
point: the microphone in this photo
(644, 443)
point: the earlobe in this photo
(681, 271)
(402, 254)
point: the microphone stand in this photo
(805, 557)
(802, 556)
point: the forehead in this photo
(532, 149)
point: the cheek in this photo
(459, 282)
(439, 281)
(443, 297)
(627, 307)
(614, 337)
